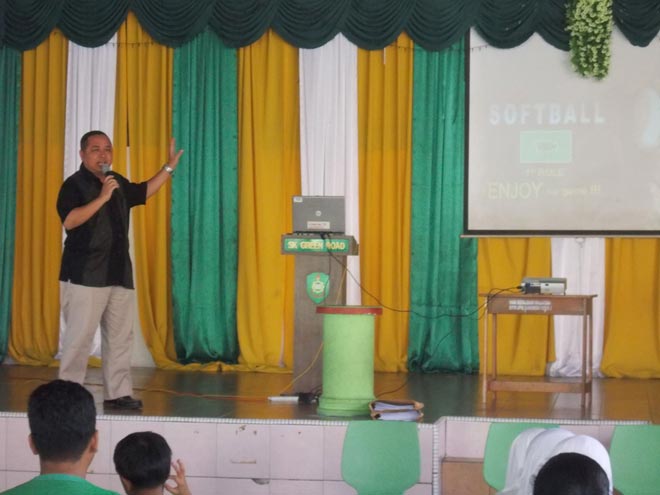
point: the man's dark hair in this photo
(87, 135)
(62, 419)
(571, 474)
(144, 459)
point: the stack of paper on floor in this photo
(396, 410)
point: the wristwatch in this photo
(168, 169)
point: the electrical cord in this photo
(491, 293)
(364, 290)
(379, 395)
(245, 398)
(480, 309)
(305, 371)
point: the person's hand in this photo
(109, 185)
(174, 155)
(179, 477)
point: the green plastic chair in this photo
(381, 457)
(635, 459)
(498, 443)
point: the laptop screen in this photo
(318, 214)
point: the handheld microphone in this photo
(105, 169)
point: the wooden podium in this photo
(318, 259)
(538, 304)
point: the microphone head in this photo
(105, 168)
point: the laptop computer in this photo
(318, 214)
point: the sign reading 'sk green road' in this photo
(315, 245)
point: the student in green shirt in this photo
(62, 419)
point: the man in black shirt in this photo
(96, 276)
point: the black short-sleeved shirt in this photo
(96, 252)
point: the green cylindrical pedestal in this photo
(348, 359)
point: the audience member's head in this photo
(62, 419)
(571, 474)
(142, 460)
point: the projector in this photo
(553, 286)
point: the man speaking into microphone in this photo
(96, 276)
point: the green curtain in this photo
(204, 201)
(10, 83)
(509, 23)
(443, 273)
(370, 24)
(638, 20)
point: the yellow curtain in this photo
(524, 344)
(143, 122)
(632, 308)
(384, 151)
(269, 174)
(38, 249)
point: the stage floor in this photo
(244, 395)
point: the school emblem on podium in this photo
(318, 286)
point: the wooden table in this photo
(538, 304)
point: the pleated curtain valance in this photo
(370, 24)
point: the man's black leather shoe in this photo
(125, 402)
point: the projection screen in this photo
(551, 153)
